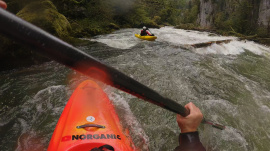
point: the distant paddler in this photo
(146, 32)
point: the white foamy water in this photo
(124, 112)
(186, 37)
(223, 105)
(125, 39)
(235, 47)
(47, 93)
(265, 108)
(234, 136)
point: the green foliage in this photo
(262, 32)
(240, 19)
(169, 11)
(135, 17)
(99, 10)
(219, 19)
(190, 14)
(194, 13)
(225, 23)
(70, 8)
(15, 6)
(235, 17)
(157, 19)
(187, 26)
(89, 27)
(153, 7)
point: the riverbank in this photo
(73, 20)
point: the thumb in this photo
(3, 4)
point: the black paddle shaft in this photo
(62, 52)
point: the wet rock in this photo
(206, 14)
(264, 13)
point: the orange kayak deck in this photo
(89, 105)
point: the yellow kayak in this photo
(150, 38)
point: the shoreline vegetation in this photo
(71, 20)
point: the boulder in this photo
(45, 15)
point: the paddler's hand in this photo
(3, 4)
(191, 122)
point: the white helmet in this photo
(144, 27)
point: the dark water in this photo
(228, 82)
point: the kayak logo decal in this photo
(90, 136)
(90, 119)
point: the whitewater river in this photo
(229, 82)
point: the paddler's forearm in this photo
(189, 138)
(190, 142)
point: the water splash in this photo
(235, 47)
(126, 116)
(186, 37)
(123, 39)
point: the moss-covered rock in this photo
(45, 15)
(89, 27)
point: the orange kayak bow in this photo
(89, 121)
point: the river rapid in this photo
(229, 82)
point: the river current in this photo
(229, 82)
